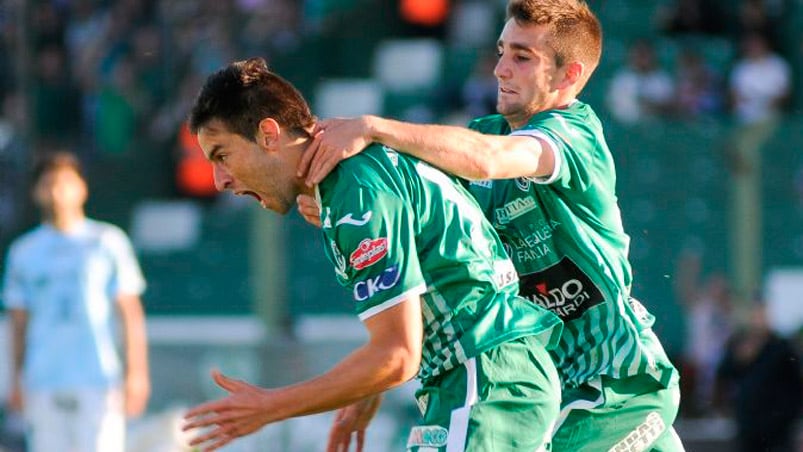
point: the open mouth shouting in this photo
(253, 195)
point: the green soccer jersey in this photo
(395, 226)
(564, 234)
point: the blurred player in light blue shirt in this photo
(65, 283)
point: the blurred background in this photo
(237, 288)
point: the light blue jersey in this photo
(68, 283)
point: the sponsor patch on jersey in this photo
(427, 436)
(515, 209)
(562, 288)
(369, 252)
(388, 279)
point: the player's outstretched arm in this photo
(458, 150)
(391, 357)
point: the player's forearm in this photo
(134, 337)
(458, 150)
(367, 371)
(19, 327)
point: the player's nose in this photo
(223, 180)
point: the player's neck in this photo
(66, 221)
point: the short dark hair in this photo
(55, 160)
(576, 31)
(245, 92)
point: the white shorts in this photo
(83, 420)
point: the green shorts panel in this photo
(505, 399)
(628, 415)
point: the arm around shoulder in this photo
(464, 152)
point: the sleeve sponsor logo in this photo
(515, 209)
(349, 219)
(369, 252)
(563, 289)
(364, 290)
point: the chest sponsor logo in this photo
(562, 288)
(369, 252)
(515, 209)
(364, 290)
(349, 219)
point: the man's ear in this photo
(572, 74)
(268, 132)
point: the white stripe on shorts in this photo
(458, 423)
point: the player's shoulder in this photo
(375, 167)
(106, 233)
(490, 124)
(28, 241)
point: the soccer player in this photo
(428, 274)
(64, 283)
(552, 200)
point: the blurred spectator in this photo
(641, 90)
(710, 324)
(760, 85)
(759, 88)
(693, 17)
(47, 25)
(120, 105)
(698, 89)
(760, 379)
(268, 25)
(13, 152)
(54, 123)
(761, 17)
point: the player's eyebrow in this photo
(515, 46)
(214, 151)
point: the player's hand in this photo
(245, 410)
(334, 140)
(15, 397)
(137, 392)
(351, 422)
(309, 210)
